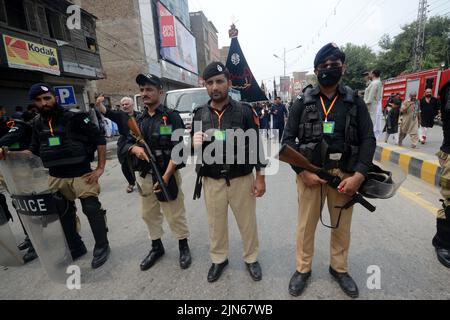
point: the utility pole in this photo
(419, 43)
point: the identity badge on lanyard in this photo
(328, 126)
(53, 141)
(165, 130)
(220, 135)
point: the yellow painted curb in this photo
(428, 172)
(386, 154)
(404, 161)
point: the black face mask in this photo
(330, 77)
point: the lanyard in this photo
(51, 127)
(220, 116)
(329, 109)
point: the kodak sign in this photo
(23, 54)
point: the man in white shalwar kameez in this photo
(373, 102)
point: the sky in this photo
(266, 27)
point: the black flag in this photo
(241, 75)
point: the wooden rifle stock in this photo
(134, 128)
(293, 157)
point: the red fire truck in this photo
(416, 82)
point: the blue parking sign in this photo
(66, 95)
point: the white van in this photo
(185, 101)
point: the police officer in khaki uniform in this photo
(157, 125)
(441, 240)
(227, 184)
(333, 128)
(66, 142)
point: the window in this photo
(15, 14)
(42, 18)
(2, 11)
(207, 55)
(206, 35)
(91, 44)
(54, 24)
(31, 16)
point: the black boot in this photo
(155, 254)
(25, 244)
(346, 283)
(30, 255)
(298, 283)
(92, 208)
(185, 254)
(69, 225)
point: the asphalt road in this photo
(396, 239)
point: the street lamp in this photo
(284, 56)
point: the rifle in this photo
(293, 157)
(134, 127)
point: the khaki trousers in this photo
(308, 216)
(444, 161)
(74, 188)
(218, 196)
(174, 211)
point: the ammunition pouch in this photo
(312, 151)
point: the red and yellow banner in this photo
(23, 54)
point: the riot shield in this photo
(27, 182)
(9, 253)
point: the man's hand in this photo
(351, 185)
(2, 154)
(198, 139)
(259, 187)
(94, 176)
(311, 180)
(157, 187)
(100, 100)
(100, 105)
(140, 153)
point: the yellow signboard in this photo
(23, 54)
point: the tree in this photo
(358, 59)
(397, 54)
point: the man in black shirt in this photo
(227, 181)
(158, 125)
(333, 128)
(429, 109)
(441, 240)
(66, 142)
(18, 139)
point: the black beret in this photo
(214, 69)
(151, 79)
(38, 89)
(332, 51)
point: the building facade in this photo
(207, 40)
(224, 54)
(144, 36)
(36, 45)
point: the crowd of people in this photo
(412, 117)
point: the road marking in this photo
(418, 200)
